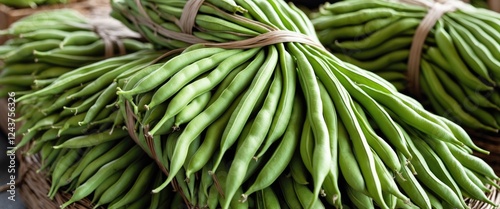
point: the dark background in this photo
(311, 4)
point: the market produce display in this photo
(458, 69)
(48, 44)
(51, 55)
(239, 106)
(81, 140)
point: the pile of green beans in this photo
(460, 62)
(75, 126)
(114, 173)
(343, 136)
(279, 125)
(57, 60)
(47, 44)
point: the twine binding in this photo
(437, 9)
(188, 16)
(187, 22)
(106, 31)
(109, 32)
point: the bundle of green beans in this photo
(61, 50)
(459, 72)
(47, 44)
(256, 107)
(75, 127)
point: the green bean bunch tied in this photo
(48, 44)
(246, 115)
(70, 120)
(459, 71)
(75, 126)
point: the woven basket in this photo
(494, 196)
(491, 143)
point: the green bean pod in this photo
(100, 160)
(283, 153)
(138, 188)
(107, 170)
(444, 42)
